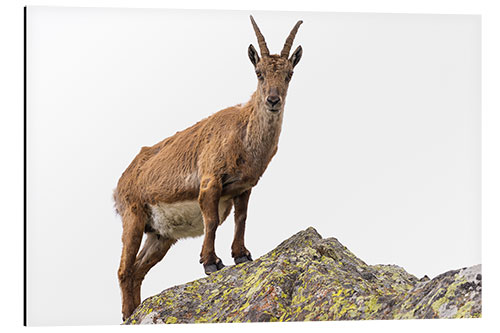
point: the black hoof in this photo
(243, 259)
(211, 268)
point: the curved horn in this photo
(289, 41)
(264, 51)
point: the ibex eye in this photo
(259, 75)
(289, 76)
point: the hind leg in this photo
(154, 249)
(133, 227)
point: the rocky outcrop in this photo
(310, 278)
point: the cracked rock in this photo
(307, 277)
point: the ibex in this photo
(187, 184)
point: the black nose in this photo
(273, 100)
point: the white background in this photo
(380, 145)
(294, 89)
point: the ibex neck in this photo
(263, 130)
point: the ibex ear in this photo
(253, 55)
(297, 54)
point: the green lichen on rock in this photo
(306, 278)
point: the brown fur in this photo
(223, 155)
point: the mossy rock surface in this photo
(310, 278)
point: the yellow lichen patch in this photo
(437, 304)
(371, 305)
(171, 320)
(347, 308)
(449, 295)
(464, 311)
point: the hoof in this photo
(211, 268)
(243, 259)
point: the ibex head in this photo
(274, 72)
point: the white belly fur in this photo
(182, 219)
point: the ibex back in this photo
(187, 184)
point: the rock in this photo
(310, 278)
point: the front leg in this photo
(210, 192)
(238, 249)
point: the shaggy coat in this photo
(187, 184)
